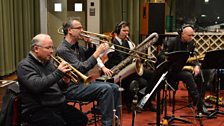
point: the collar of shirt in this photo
(35, 57)
(119, 40)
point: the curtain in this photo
(114, 11)
(19, 22)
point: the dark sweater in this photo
(38, 84)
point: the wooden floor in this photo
(147, 118)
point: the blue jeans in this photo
(106, 94)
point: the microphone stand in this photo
(134, 104)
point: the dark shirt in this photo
(175, 44)
(39, 84)
(79, 57)
(114, 58)
(178, 45)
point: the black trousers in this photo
(188, 78)
(64, 115)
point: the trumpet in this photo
(74, 74)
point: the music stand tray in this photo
(214, 60)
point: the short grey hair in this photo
(37, 39)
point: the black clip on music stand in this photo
(214, 60)
(175, 62)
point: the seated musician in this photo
(83, 59)
(115, 57)
(41, 84)
(184, 42)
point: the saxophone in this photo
(192, 59)
(131, 64)
(212, 99)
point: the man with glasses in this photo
(41, 84)
(84, 59)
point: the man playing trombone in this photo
(84, 60)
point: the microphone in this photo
(134, 86)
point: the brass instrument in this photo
(107, 39)
(195, 58)
(131, 64)
(192, 59)
(74, 74)
(88, 34)
(127, 66)
(212, 99)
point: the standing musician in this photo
(41, 84)
(84, 60)
(184, 42)
(121, 32)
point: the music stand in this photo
(214, 60)
(175, 62)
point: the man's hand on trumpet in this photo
(63, 67)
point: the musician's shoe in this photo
(203, 110)
(208, 105)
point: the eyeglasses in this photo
(80, 27)
(47, 47)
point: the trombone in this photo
(107, 39)
(74, 74)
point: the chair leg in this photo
(94, 114)
(94, 118)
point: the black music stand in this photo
(214, 60)
(175, 62)
(178, 60)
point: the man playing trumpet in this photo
(84, 60)
(41, 84)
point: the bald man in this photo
(184, 42)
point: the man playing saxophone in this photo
(116, 56)
(84, 60)
(184, 42)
